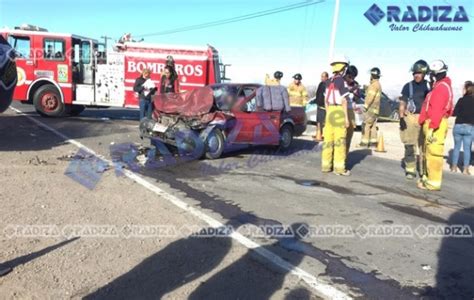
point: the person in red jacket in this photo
(436, 109)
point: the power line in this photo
(235, 19)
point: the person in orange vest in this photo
(297, 91)
(337, 120)
(436, 110)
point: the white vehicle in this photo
(312, 116)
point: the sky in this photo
(295, 41)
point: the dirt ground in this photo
(43, 211)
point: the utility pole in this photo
(334, 30)
(105, 41)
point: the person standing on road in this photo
(169, 83)
(413, 96)
(436, 110)
(169, 74)
(371, 109)
(297, 91)
(353, 87)
(337, 120)
(320, 98)
(464, 128)
(145, 89)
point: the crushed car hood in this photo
(195, 103)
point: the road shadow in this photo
(246, 280)
(455, 275)
(32, 256)
(188, 259)
(300, 294)
(17, 133)
(356, 157)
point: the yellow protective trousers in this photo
(350, 129)
(369, 134)
(434, 155)
(334, 146)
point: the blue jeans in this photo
(146, 107)
(462, 136)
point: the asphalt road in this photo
(383, 251)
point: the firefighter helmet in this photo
(420, 66)
(278, 75)
(352, 71)
(297, 76)
(375, 72)
(339, 59)
(438, 66)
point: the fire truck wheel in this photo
(47, 101)
(214, 144)
(75, 110)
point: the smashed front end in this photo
(175, 115)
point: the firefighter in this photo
(413, 95)
(277, 76)
(371, 109)
(337, 120)
(436, 109)
(297, 92)
(353, 87)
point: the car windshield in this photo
(225, 96)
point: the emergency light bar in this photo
(29, 27)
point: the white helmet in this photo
(438, 66)
(339, 58)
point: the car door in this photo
(25, 63)
(252, 126)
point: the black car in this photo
(388, 107)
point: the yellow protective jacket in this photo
(372, 97)
(271, 81)
(298, 94)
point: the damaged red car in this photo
(211, 120)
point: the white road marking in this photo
(324, 289)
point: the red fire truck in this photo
(61, 74)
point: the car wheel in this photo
(286, 137)
(214, 144)
(47, 101)
(395, 116)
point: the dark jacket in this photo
(464, 110)
(138, 88)
(169, 85)
(320, 94)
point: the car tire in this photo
(395, 115)
(47, 101)
(214, 144)
(286, 137)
